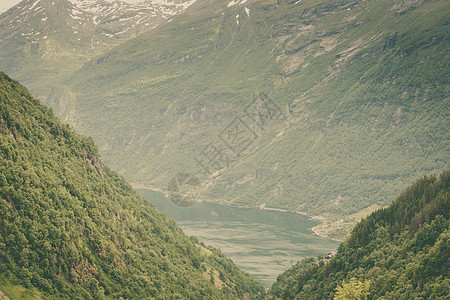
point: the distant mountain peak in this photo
(56, 37)
(166, 7)
(77, 22)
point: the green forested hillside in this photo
(399, 252)
(71, 228)
(350, 102)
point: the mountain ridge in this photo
(357, 89)
(71, 227)
(337, 73)
(60, 36)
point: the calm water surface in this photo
(263, 243)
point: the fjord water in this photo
(263, 243)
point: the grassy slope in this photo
(361, 86)
(70, 226)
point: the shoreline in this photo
(320, 219)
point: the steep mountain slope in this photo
(70, 227)
(43, 40)
(323, 107)
(400, 252)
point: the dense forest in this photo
(70, 227)
(398, 252)
(342, 104)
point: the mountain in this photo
(329, 108)
(44, 40)
(72, 228)
(399, 252)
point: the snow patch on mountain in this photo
(34, 4)
(88, 23)
(236, 2)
